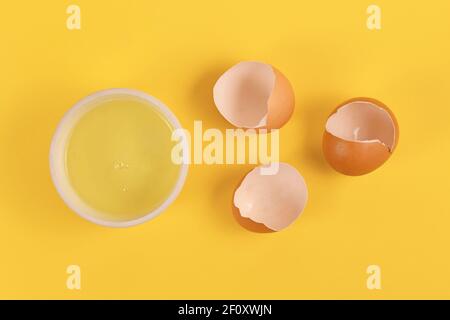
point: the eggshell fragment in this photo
(267, 203)
(254, 95)
(248, 223)
(360, 135)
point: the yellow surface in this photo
(397, 217)
(118, 159)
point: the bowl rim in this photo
(67, 118)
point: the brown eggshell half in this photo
(281, 103)
(268, 203)
(254, 95)
(360, 135)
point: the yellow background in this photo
(397, 217)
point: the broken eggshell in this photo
(360, 135)
(270, 202)
(254, 95)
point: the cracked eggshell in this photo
(254, 95)
(360, 135)
(268, 203)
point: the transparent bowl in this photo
(58, 154)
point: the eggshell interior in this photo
(254, 95)
(242, 92)
(272, 200)
(363, 121)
